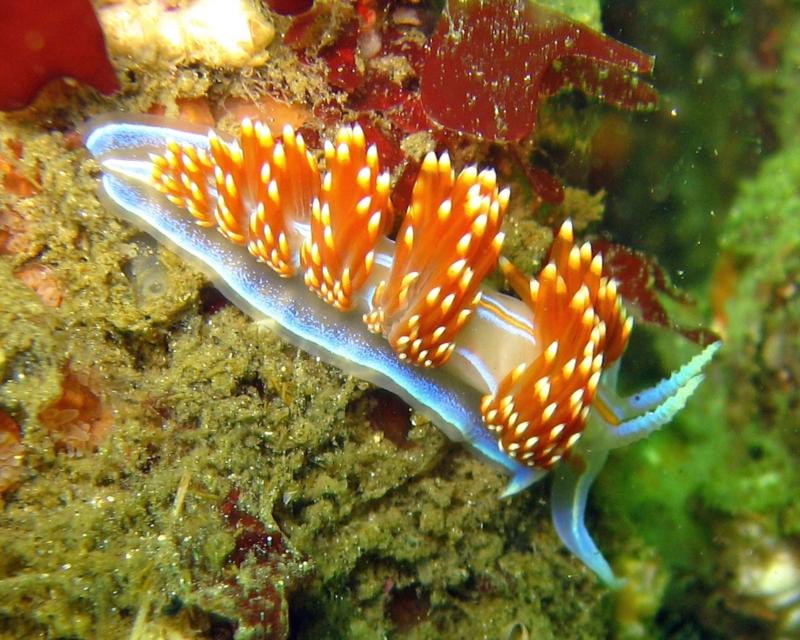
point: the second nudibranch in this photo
(527, 382)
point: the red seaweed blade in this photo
(611, 84)
(289, 7)
(641, 279)
(491, 61)
(39, 43)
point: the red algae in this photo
(391, 416)
(340, 58)
(41, 43)
(78, 420)
(41, 279)
(407, 607)
(263, 601)
(16, 182)
(16, 236)
(453, 87)
(11, 453)
(289, 7)
(268, 109)
(641, 279)
(491, 63)
(196, 110)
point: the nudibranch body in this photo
(527, 382)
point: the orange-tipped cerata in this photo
(260, 184)
(448, 242)
(348, 219)
(540, 408)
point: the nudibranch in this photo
(527, 382)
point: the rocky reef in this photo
(171, 469)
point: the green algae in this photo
(671, 509)
(730, 458)
(762, 237)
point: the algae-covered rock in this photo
(243, 488)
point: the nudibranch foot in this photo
(297, 241)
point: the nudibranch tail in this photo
(528, 382)
(569, 494)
